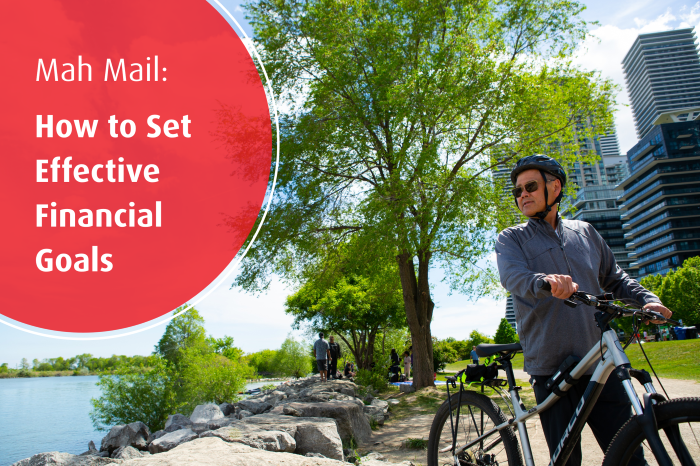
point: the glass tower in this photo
(662, 72)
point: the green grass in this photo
(459, 365)
(679, 359)
(416, 443)
(671, 359)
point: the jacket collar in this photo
(545, 227)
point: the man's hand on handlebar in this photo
(661, 309)
(562, 286)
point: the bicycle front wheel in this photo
(679, 428)
(478, 414)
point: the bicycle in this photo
(483, 436)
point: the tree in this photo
(293, 358)
(210, 378)
(127, 397)
(680, 291)
(263, 362)
(505, 333)
(182, 332)
(24, 364)
(354, 303)
(399, 110)
(476, 338)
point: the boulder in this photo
(252, 436)
(407, 388)
(128, 453)
(340, 386)
(393, 401)
(227, 408)
(312, 435)
(384, 405)
(199, 427)
(206, 413)
(255, 406)
(176, 420)
(135, 435)
(171, 440)
(219, 423)
(350, 418)
(212, 451)
(244, 413)
(279, 409)
(155, 435)
(289, 411)
(55, 458)
(377, 459)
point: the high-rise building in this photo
(662, 71)
(596, 202)
(510, 313)
(662, 196)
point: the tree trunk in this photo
(419, 313)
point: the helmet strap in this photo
(547, 207)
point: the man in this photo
(475, 357)
(335, 354)
(322, 354)
(568, 254)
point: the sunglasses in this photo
(531, 186)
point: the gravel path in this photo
(388, 440)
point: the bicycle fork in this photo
(644, 415)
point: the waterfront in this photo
(49, 414)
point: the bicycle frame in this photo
(613, 358)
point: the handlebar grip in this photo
(543, 285)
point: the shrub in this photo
(149, 397)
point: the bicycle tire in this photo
(503, 445)
(678, 413)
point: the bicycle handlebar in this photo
(604, 303)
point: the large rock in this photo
(129, 435)
(349, 416)
(255, 406)
(340, 386)
(312, 435)
(212, 451)
(203, 414)
(171, 440)
(176, 422)
(227, 408)
(128, 453)
(252, 436)
(55, 458)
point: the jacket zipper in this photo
(561, 245)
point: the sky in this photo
(259, 322)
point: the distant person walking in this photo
(335, 354)
(475, 357)
(322, 354)
(407, 365)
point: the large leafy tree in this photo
(679, 290)
(183, 332)
(397, 112)
(505, 333)
(356, 302)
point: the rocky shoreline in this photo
(301, 422)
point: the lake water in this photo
(48, 414)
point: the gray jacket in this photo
(549, 330)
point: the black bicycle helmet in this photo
(544, 164)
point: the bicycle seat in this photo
(486, 349)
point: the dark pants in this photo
(475, 361)
(332, 368)
(611, 411)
